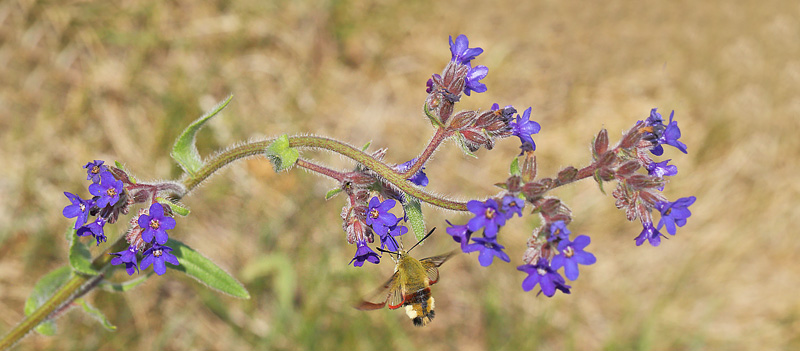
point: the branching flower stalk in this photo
(372, 188)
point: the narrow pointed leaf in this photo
(43, 290)
(205, 271)
(514, 169)
(463, 145)
(599, 182)
(415, 218)
(176, 208)
(124, 286)
(185, 151)
(364, 148)
(96, 314)
(333, 192)
(431, 116)
(280, 154)
(80, 259)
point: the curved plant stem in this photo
(74, 288)
(79, 284)
(338, 176)
(378, 167)
(436, 140)
(222, 159)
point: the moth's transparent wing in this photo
(389, 293)
(431, 265)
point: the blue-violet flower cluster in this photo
(113, 193)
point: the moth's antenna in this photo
(423, 239)
(385, 251)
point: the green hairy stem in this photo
(78, 285)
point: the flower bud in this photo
(120, 174)
(528, 168)
(641, 181)
(537, 188)
(567, 175)
(476, 138)
(513, 184)
(605, 174)
(632, 137)
(462, 120)
(628, 168)
(607, 159)
(601, 142)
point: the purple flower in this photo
(378, 216)
(489, 249)
(364, 253)
(460, 234)
(419, 178)
(473, 80)
(387, 239)
(156, 224)
(157, 255)
(665, 134)
(674, 213)
(429, 86)
(523, 127)
(108, 189)
(650, 233)
(542, 274)
(487, 216)
(461, 52)
(507, 113)
(512, 205)
(95, 229)
(80, 209)
(661, 169)
(672, 134)
(558, 231)
(128, 257)
(93, 170)
(571, 254)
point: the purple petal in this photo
(168, 257)
(571, 269)
(161, 236)
(581, 242)
(146, 261)
(159, 267)
(530, 282)
(167, 223)
(148, 235)
(548, 288)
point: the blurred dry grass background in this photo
(85, 80)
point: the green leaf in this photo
(414, 213)
(124, 286)
(432, 116)
(280, 154)
(204, 271)
(599, 182)
(43, 290)
(80, 259)
(96, 314)
(463, 145)
(514, 169)
(364, 148)
(184, 151)
(333, 192)
(176, 208)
